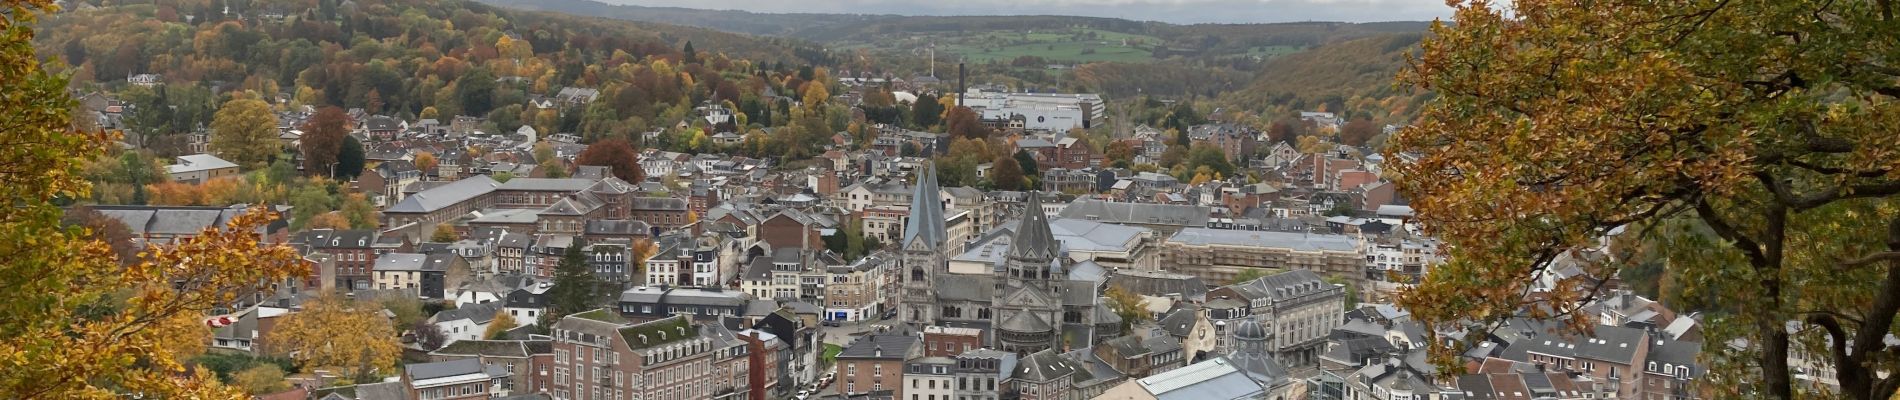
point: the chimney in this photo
(960, 87)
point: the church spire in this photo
(926, 211)
(1033, 239)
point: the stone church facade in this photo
(1034, 299)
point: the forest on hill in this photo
(411, 58)
(1352, 77)
(1265, 69)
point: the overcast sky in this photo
(1176, 11)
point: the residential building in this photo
(940, 341)
(350, 249)
(528, 361)
(929, 378)
(597, 355)
(469, 321)
(1298, 307)
(466, 379)
(875, 363)
(427, 274)
(983, 374)
(199, 168)
(649, 303)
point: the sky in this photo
(1174, 11)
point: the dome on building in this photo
(1249, 329)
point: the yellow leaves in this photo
(341, 334)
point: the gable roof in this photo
(447, 195)
(478, 313)
(879, 347)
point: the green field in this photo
(1062, 46)
(1265, 52)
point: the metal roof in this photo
(446, 195)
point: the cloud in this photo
(1174, 11)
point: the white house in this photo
(466, 322)
(200, 168)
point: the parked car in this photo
(833, 322)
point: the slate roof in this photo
(1180, 322)
(760, 269)
(951, 287)
(616, 227)
(1608, 343)
(1136, 213)
(1283, 286)
(547, 184)
(479, 313)
(1045, 366)
(1266, 239)
(486, 348)
(401, 262)
(892, 347)
(926, 211)
(1158, 283)
(443, 369)
(1033, 239)
(1025, 322)
(446, 195)
(382, 391)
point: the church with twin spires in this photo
(1034, 298)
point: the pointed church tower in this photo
(922, 258)
(1029, 307)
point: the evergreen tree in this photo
(575, 286)
(349, 160)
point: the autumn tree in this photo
(1357, 132)
(323, 139)
(260, 379)
(75, 323)
(617, 155)
(1006, 174)
(444, 234)
(1753, 139)
(329, 220)
(425, 162)
(1129, 306)
(964, 123)
(499, 327)
(546, 162)
(244, 131)
(348, 336)
(1119, 151)
(358, 211)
